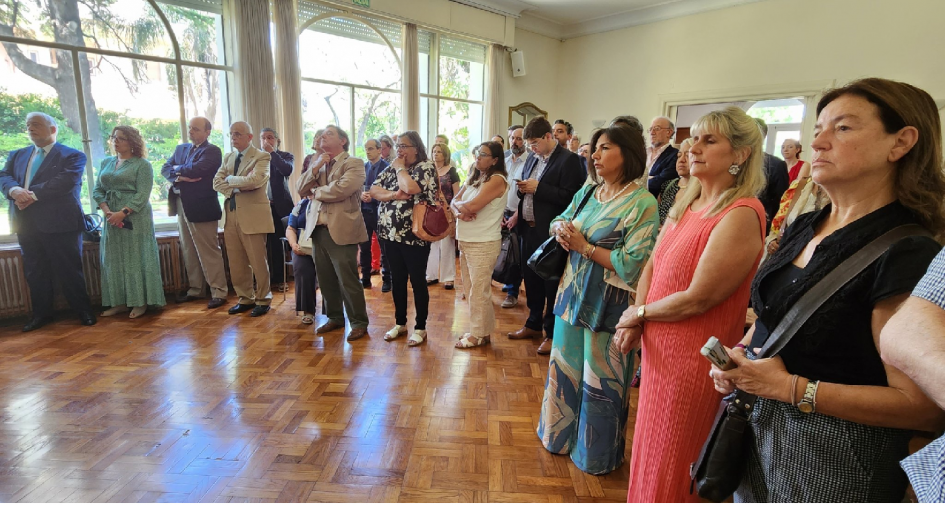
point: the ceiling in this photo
(565, 19)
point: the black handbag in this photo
(507, 264)
(92, 224)
(718, 470)
(549, 260)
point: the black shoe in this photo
(87, 318)
(433, 282)
(241, 307)
(366, 283)
(385, 288)
(215, 302)
(184, 298)
(505, 288)
(36, 323)
(259, 311)
(448, 286)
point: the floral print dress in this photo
(395, 218)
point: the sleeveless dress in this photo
(677, 400)
(795, 171)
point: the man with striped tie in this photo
(42, 182)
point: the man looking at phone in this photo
(549, 182)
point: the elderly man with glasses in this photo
(661, 155)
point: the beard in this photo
(518, 150)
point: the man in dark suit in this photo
(372, 168)
(549, 181)
(777, 181)
(661, 155)
(281, 166)
(42, 183)
(193, 200)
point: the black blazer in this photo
(199, 200)
(56, 184)
(562, 179)
(776, 173)
(281, 165)
(664, 169)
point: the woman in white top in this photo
(479, 206)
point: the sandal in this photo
(115, 311)
(138, 312)
(468, 341)
(396, 331)
(308, 319)
(449, 286)
(418, 337)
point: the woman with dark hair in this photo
(442, 262)
(832, 419)
(479, 206)
(131, 267)
(281, 165)
(303, 264)
(584, 410)
(410, 180)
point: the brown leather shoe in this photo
(356, 333)
(525, 333)
(545, 347)
(329, 326)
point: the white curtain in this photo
(410, 93)
(492, 117)
(255, 80)
(288, 83)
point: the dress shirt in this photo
(322, 218)
(528, 201)
(514, 167)
(653, 154)
(29, 165)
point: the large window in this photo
(350, 74)
(452, 91)
(76, 77)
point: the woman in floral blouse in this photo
(409, 180)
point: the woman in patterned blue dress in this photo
(584, 410)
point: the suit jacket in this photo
(663, 169)
(252, 205)
(56, 185)
(281, 165)
(562, 179)
(340, 194)
(371, 171)
(776, 173)
(198, 199)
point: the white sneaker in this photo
(396, 331)
(510, 301)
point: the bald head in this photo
(199, 130)
(241, 135)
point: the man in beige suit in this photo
(335, 182)
(247, 219)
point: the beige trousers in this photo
(203, 258)
(477, 260)
(248, 258)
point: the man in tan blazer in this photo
(247, 219)
(336, 181)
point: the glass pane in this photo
(344, 50)
(462, 69)
(322, 105)
(149, 104)
(199, 34)
(462, 124)
(205, 95)
(780, 137)
(376, 113)
(21, 94)
(425, 41)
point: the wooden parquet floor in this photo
(190, 405)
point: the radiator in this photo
(14, 295)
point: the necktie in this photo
(236, 170)
(37, 161)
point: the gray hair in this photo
(50, 121)
(385, 139)
(274, 134)
(377, 143)
(249, 128)
(668, 120)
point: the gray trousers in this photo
(337, 270)
(203, 258)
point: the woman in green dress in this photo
(131, 269)
(584, 410)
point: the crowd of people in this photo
(665, 246)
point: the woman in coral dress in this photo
(695, 286)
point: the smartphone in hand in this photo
(715, 353)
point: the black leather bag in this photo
(721, 464)
(549, 260)
(93, 227)
(507, 264)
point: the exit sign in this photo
(362, 3)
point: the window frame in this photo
(178, 63)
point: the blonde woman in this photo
(441, 266)
(695, 285)
(131, 268)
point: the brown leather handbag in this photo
(433, 222)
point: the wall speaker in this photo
(518, 64)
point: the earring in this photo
(734, 169)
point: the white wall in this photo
(539, 85)
(754, 45)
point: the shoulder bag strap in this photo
(587, 196)
(831, 283)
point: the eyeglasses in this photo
(114, 138)
(657, 129)
(236, 135)
(533, 143)
(483, 155)
(403, 146)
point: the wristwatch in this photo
(808, 404)
(641, 312)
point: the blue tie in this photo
(37, 161)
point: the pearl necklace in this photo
(600, 191)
